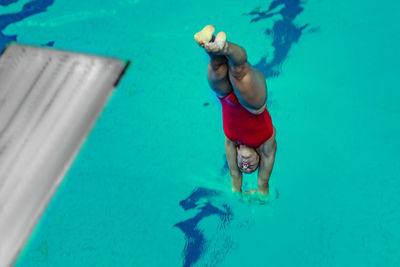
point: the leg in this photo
(217, 74)
(217, 71)
(249, 84)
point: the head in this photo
(247, 158)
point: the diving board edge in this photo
(66, 119)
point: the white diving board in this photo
(49, 101)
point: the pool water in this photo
(151, 187)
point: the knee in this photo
(239, 71)
(217, 71)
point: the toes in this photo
(208, 32)
(205, 35)
(220, 39)
(199, 40)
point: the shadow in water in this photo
(195, 239)
(29, 9)
(284, 32)
(7, 2)
(225, 167)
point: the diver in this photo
(249, 134)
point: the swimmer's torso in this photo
(243, 127)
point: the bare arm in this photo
(236, 174)
(267, 158)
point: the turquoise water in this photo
(150, 186)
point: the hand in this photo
(252, 191)
(254, 197)
(257, 191)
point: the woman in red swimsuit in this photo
(250, 136)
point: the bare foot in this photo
(204, 36)
(215, 45)
(219, 46)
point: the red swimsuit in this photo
(242, 126)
